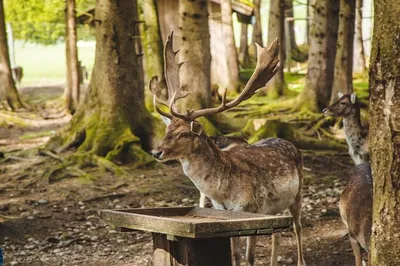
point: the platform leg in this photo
(191, 252)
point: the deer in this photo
(265, 177)
(355, 208)
(347, 106)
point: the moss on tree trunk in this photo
(112, 122)
(343, 76)
(8, 91)
(385, 133)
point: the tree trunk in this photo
(276, 29)
(230, 47)
(8, 91)
(257, 28)
(308, 21)
(72, 88)
(195, 52)
(152, 46)
(359, 65)
(323, 35)
(343, 77)
(244, 46)
(112, 120)
(385, 133)
(296, 54)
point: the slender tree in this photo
(152, 44)
(230, 47)
(114, 104)
(257, 28)
(321, 58)
(296, 54)
(359, 65)
(8, 91)
(244, 46)
(343, 77)
(195, 52)
(72, 88)
(384, 133)
(276, 29)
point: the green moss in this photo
(208, 127)
(32, 135)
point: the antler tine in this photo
(172, 103)
(267, 65)
(157, 100)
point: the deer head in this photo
(345, 106)
(183, 134)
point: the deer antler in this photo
(267, 65)
(171, 72)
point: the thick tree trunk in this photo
(257, 28)
(152, 46)
(72, 88)
(230, 47)
(321, 59)
(276, 29)
(114, 104)
(244, 46)
(8, 91)
(343, 77)
(385, 133)
(195, 52)
(359, 65)
(296, 54)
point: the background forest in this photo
(77, 121)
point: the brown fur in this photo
(356, 208)
(265, 177)
(356, 134)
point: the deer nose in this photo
(156, 154)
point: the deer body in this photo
(265, 177)
(356, 135)
(356, 208)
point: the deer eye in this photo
(342, 103)
(184, 135)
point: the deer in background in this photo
(356, 135)
(265, 177)
(355, 208)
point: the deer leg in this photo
(204, 201)
(235, 245)
(251, 249)
(276, 246)
(356, 250)
(295, 211)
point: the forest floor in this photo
(55, 221)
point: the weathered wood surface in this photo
(191, 222)
(191, 252)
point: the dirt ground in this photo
(55, 221)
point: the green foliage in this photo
(40, 21)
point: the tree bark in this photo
(195, 52)
(385, 133)
(257, 28)
(323, 35)
(112, 121)
(296, 54)
(152, 46)
(72, 88)
(343, 77)
(276, 29)
(359, 65)
(230, 47)
(308, 21)
(244, 46)
(8, 90)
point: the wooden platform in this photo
(191, 236)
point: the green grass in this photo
(46, 64)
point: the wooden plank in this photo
(209, 251)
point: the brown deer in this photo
(265, 177)
(356, 135)
(356, 208)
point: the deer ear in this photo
(340, 95)
(196, 128)
(166, 120)
(353, 98)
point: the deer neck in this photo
(352, 125)
(203, 167)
